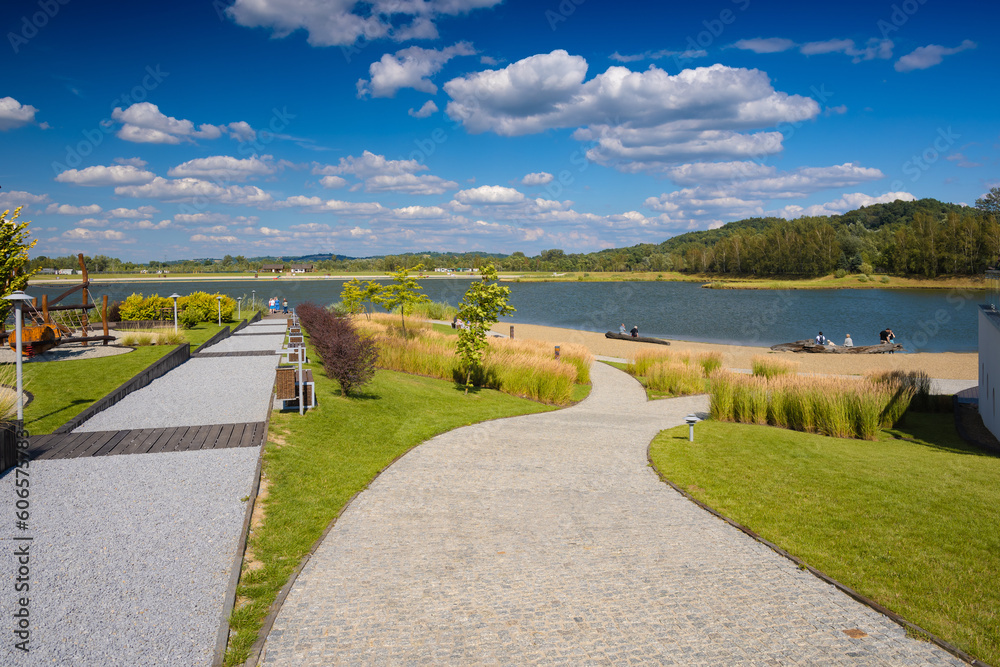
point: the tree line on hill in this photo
(924, 237)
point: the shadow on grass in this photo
(935, 430)
(62, 408)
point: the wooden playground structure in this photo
(42, 331)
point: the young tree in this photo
(484, 303)
(990, 202)
(14, 247)
(402, 293)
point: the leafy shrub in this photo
(885, 279)
(188, 319)
(347, 356)
(862, 278)
(136, 307)
(205, 306)
(866, 268)
(839, 273)
(114, 311)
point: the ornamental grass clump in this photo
(770, 367)
(837, 407)
(675, 378)
(646, 358)
(347, 356)
(8, 392)
(709, 361)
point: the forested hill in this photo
(924, 237)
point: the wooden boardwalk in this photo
(146, 441)
(241, 353)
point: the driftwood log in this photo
(811, 346)
(637, 339)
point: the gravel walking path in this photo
(547, 539)
(130, 558)
(131, 555)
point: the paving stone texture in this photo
(547, 539)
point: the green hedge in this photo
(195, 307)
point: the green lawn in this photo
(64, 389)
(908, 520)
(315, 463)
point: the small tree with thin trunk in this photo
(355, 294)
(484, 303)
(14, 247)
(402, 293)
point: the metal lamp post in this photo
(219, 299)
(175, 296)
(239, 308)
(18, 298)
(253, 299)
(691, 421)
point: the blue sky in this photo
(256, 127)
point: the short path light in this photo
(253, 299)
(18, 298)
(219, 299)
(239, 308)
(691, 421)
(175, 296)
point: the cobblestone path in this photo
(546, 539)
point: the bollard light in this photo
(239, 308)
(557, 351)
(253, 299)
(175, 296)
(512, 332)
(219, 299)
(18, 298)
(691, 421)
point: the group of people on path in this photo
(274, 304)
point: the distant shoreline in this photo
(850, 281)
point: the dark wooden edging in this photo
(236, 571)
(221, 334)
(891, 615)
(155, 370)
(256, 318)
(240, 326)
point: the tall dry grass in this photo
(8, 392)
(151, 336)
(838, 407)
(770, 367)
(672, 372)
(519, 367)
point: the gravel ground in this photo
(130, 558)
(221, 390)
(240, 343)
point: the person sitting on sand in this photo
(821, 339)
(886, 336)
(848, 342)
(635, 332)
(622, 330)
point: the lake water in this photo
(923, 320)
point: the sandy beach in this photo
(942, 365)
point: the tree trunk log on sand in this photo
(637, 339)
(811, 346)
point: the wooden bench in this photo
(286, 386)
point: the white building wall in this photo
(989, 367)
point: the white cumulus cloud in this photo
(409, 68)
(81, 234)
(426, 110)
(225, 168)
(187, 189)
(343, 22)
(765, 44)
(537, 178)
(489, 194)
(101, 175)
(13, 114)
(638, 120)
(68, 209)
